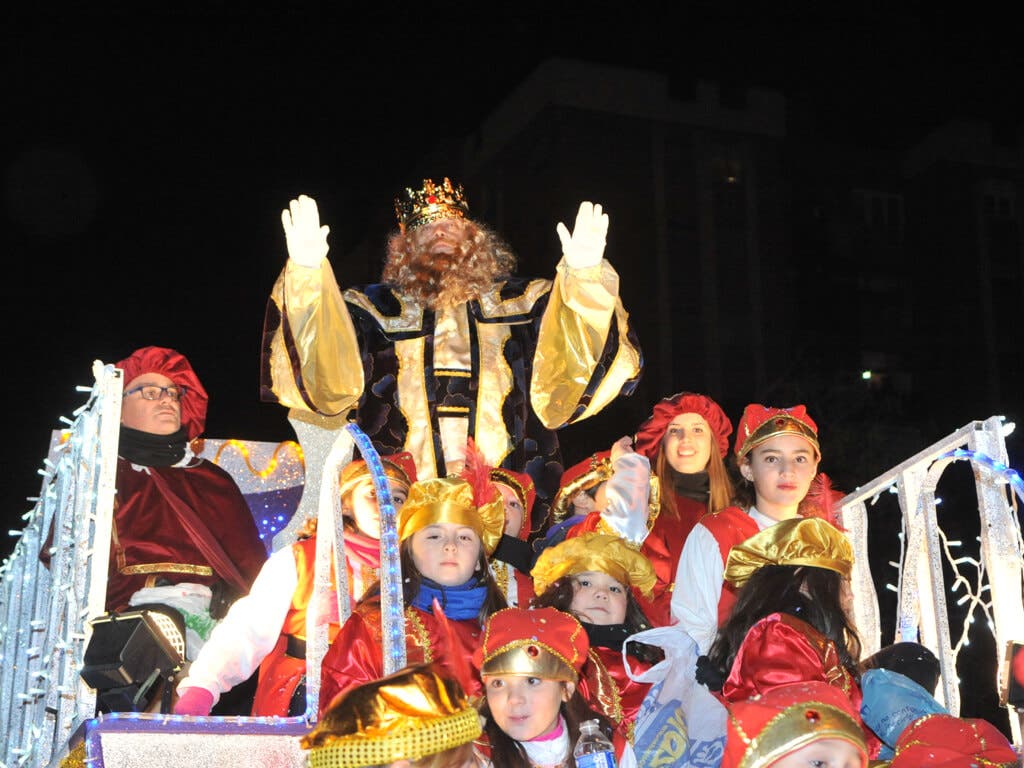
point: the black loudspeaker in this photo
(1013, 682)
(128, 654)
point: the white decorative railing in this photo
(42, 697)
(988, 582)
(46, 611)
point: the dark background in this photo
(147, 156)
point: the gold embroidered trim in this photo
(501, 577)
(409, 317)
(607, 693)
(420, 633)
(197, 570)
(492, 305)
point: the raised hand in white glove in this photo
(584, 246)
(307, 240)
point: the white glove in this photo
(584, 247)
(307, 240)
(620, 448)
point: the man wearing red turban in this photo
(181, 524)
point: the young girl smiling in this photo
(529, 661)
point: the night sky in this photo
(147, 156)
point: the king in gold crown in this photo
(430, 203)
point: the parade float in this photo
(944, 589)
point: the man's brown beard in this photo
(439, 280)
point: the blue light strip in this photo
(391, 602)
(1009, 474)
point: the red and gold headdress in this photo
(946, 741)
(582, 476)
(408, 715)
(766, 728)
(430, 203)
(760, 423)
(538, 642)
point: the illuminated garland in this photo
(391, 602)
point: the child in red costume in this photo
(513, 557)
(530, 661)
(778, 454)
(267, 628)
(790, 623)
(593, 576)
(446, 529)
(686, 439)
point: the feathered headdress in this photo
(477, 472)
(822, 501)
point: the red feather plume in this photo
(477, 472)
(821, 501)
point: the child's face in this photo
(687, 443)
(446, 553)
(824, 753)
(514, 511)
(781, 469)
(583, 503)
(598, 598)
(525, 707)
(363, 509)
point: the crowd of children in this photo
(751, 570)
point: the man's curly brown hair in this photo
(441, 281)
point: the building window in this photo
(998, 199)
(880, 212)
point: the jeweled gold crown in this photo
(417, 207)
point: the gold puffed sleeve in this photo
(573, 334)
(314, 358)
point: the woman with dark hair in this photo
(593, 576)
(790, 622)
(530, 661)
(446, 530)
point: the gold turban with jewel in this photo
(798, 541)
(593, 552)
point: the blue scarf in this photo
(461, 602)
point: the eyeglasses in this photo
(153, 392)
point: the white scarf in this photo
(550, 752)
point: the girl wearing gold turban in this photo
(593, 576)
(790, 623)
(446, 529)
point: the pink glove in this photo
(194, 701)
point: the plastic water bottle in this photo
(593, 749)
